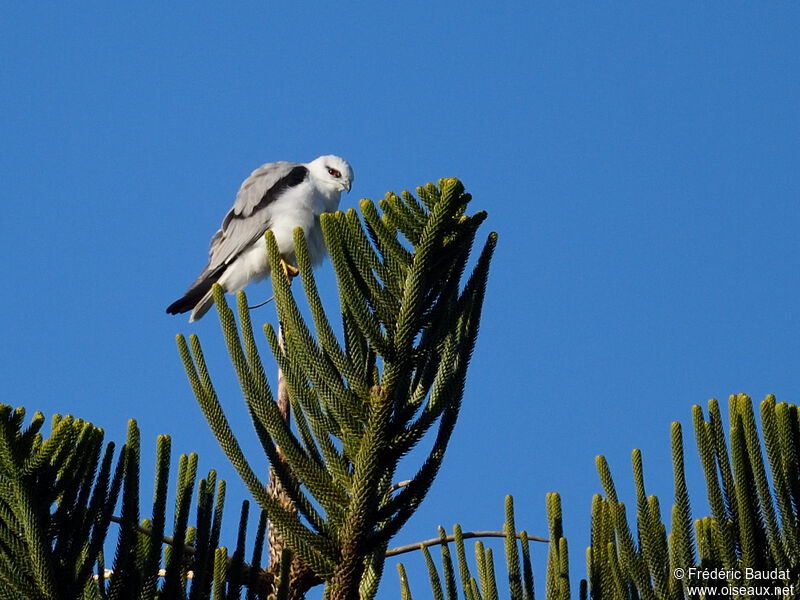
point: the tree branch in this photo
(399, 485)
(190, 551)
(466, 535)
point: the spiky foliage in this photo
(361, 403)
(57, 497)
(483, 584)
(753, 526)
(744, 528)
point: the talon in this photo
(289, 270)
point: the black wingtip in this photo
(191, 298)
(180, 306)
(195, 293)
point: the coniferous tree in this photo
(358, 405)
(744, 534)
(348, 408)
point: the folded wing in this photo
(244, 224)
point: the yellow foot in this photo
(289, 270)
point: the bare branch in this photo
(260, 304)
(466, 535)
(399, 485)
(263, 576)
(149, 533)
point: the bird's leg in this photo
(289, 270)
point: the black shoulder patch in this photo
(294, 177)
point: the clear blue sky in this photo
(640, 164)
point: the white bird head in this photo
(332, 171)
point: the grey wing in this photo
(255, 187)
(246, 221)
(249, 218)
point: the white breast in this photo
(299, 206)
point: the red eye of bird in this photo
(334, 172)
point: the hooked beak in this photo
(348, 186)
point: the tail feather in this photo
(198, 297)
(201, 308)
